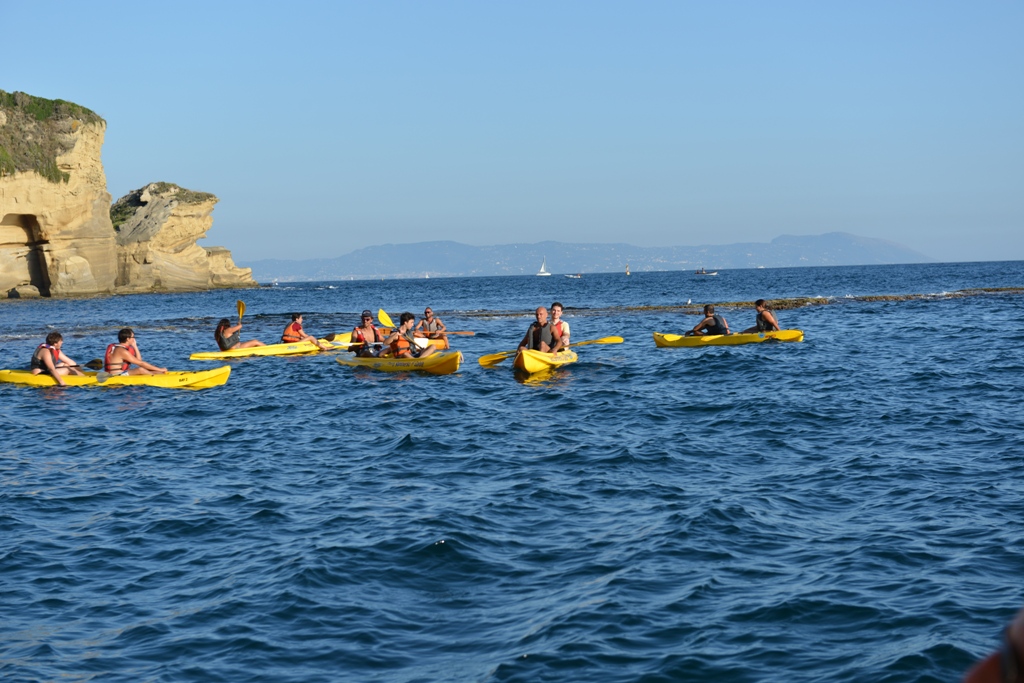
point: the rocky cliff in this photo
(56, 233)
(157, 227)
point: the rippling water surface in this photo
(848, 508)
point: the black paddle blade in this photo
(95, 364)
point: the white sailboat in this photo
(543, 272)
(627, 269)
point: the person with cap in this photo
(366, 336)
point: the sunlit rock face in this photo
(157, 227)
(59, 234)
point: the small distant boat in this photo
(543, 272)
(577, 276)
(426, 276)
(704, 272)
(627, 269)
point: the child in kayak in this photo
(765, 320)
(49, 358)
(559, 328)
(402, 342)
(227, 336)
(294, 333)
(711, 324)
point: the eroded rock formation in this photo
(56, 233)
(157, 227)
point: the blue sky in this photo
(326, 127)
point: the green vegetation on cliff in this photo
(124, 208)
(34, 131)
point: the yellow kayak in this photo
(536, 361)
(440, 363)
(269, 350)
(345, 339)
(663, 340)
(170, 380)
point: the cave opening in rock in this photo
(25, 258)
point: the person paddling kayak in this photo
(228, 336)
(559, 328)
(430, 326)
(367, 336)
(120, 357)
(402, 342)
(294, 333)
(765, 320)
(711, 324)
(49, 358)
(538, 335)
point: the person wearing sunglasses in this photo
(366, 336)
(431, 327)
(124, 357)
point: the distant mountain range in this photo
(452, 259)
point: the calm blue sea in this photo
(846, 509)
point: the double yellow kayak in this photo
(440, 363)
(439, 344)
(170, 380)
(537, 361)
(664, 340)
(295, 349)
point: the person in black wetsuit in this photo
(227, 336)
(711, 324)
(765, 321)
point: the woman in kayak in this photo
(227, 336)
(711, 324)
(402, 342)
(49, 358)
(765, 321)
(294, 333)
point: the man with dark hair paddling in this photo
(49, 358)
(124, 357)
(711, 324)
(402, 342)
(559, 328)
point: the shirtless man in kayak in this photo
(49, 358)
(227, 336)
(124, 357)
(294, 333)
(559, 328)
(366, 337)
(402, 342)
(430, 327)
(538, 336)
(765, 320)
(711, 324)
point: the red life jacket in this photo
(292, 333)
(124, 364)
(36, 363)
(556, 331)
(357, 335)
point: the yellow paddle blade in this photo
(241, 310)
(384, 318)
(494, 358)
(602, 340)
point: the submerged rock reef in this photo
(59, 234)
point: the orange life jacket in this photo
(292, 333)
(124, 364)
(403, 346)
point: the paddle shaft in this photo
(495, 358)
